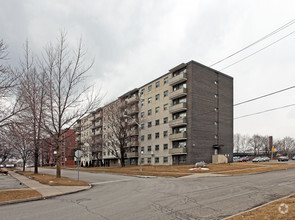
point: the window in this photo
(157, 122)
(142, 102)
(149, 160)
(165, 146)
(166, 120)
(149, 124)
(142, 161)
(165, 93)
(157, 109)
(165, 133)
(150, 87)
(157, 135)
(149, 148)
(150, 100)
(150, 112)
(142, 114)
(157, 96)
(157, 147)
(157, 84)
(142, 92)
(165, 107)
(165, 159)
(156, 159)
(149, 136)
(142, 126)
(142, 137)
(165, 80)
(142, 149)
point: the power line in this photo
(258, 51)
(261, 39)
(263, 96)
(268, 110)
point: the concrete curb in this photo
(257, 207)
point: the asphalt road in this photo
(126, 197)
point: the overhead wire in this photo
(256, 42)
(268, 110)
(257, 51)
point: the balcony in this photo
(175, 151)
(131, 154)
(177, 122)
(177, 108)
(133, 133)
(132, 99)
(132, 111)
(177, 79)
(133, 143)
(178, 93)
(133, 122)
(177, 136)
(97, 124)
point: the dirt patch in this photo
(7, 195)
(281, 209)
(52, 180)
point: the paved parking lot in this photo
(8, 182)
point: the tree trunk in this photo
(58, 167)
(36, 158)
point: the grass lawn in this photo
(183, 170)
(52, 180)
(15, 194)
(271, 211)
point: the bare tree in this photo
(32, 92)
(286, 145)
(237, 142)
(117, 132)
(9, 107)
(20, 139)
(6, 150)
(68, 99)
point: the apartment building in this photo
(182, 117)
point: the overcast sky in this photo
(136, 41)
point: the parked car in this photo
(293, 158)
(244, 159)
(236, 159)
(258, 159)
(265, 159)
(283, 158)
(10, 165)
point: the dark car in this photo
(283, 158)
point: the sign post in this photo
(78, 155)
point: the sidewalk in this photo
(45, 190)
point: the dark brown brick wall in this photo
(201, 115)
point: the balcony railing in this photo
(132, 111)
(177, 136)
(177, 122)
(174, 151)
(132, 99)
(133, 133)
(178, 107)
(178, 93)
(177, 79)
(133, 143)
(131, 154)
